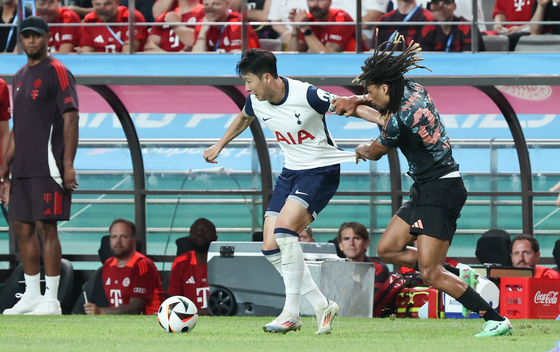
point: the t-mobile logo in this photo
(520, 3)
(116, 299)
(202, 296)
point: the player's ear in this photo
(385, 89)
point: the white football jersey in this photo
(298, 123)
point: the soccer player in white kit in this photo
(295, 113)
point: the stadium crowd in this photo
(176, 25)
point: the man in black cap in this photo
(41, 153)
(451, 37)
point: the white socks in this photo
(293, 268)
(32, 286)
(308, 288)
(51, 286)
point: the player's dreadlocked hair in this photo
(384, 67)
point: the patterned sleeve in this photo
(319, 99)
(144, 281)
(390, 133)
(66, 94)
(4, 101)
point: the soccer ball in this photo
(177, 314)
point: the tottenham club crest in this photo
(296, 114)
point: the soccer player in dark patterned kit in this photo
(412, 123)
(41, 153)
(130, 279)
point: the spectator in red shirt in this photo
(449, 37)
(5, 115)
(175, 38)
(525, 253)
(316, 39)
(131, 280)
(63, 39)
(353, 239)
(114, 39)
(510, 10)
(222, 38)
(189, 272)
(406, 11)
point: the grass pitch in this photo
(225, 334)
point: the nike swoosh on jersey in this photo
(266, 119)
(298, 192)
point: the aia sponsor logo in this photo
(546, 298)
(289, 139)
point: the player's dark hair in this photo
(385, 68)
(257, 62)
(130, 225)
(358, 228)
(534, 243)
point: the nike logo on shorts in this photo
(298, 192)
(266, 119)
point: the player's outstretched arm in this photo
(239, 124)
(371, 151)
(356, 106)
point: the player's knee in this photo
(384, 252)
(431, 276)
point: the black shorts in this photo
(37, 199)
(434, 207)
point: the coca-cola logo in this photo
(546, 298)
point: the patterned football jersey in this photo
(105, 39)
(169, 40)
(189, 279)
(228, 38)
(418, 131)
(62, 35)
(139, 278)
(298, 123)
